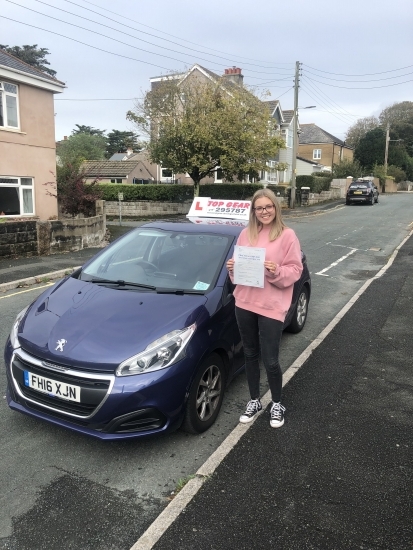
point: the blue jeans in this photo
(259, 333)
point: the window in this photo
(166, 175)
(16, 196)
(289, 138)
(317, 154)
(271, 174)
(117, 180)
(8, 105)
(218, 175)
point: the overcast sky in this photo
(357, 55)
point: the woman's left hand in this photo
(271, 266)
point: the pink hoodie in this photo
(274, 299)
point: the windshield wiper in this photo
(119, 282)
(179, 291)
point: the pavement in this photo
(20, 271)
(339, 474)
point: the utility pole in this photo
(295, 135)
(386, 151)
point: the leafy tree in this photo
(370, 149)
(398, 112)
(75, 196)
(359, 129)
(82, 129)
(347, 168)
(120, 142)
(34, 56)
(79, 147)
(196, 128)
(404, 132)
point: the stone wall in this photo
(146, 208)
(18, 238)
(71, 234)
(34, 237)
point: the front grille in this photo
(138, 421)
(93, 388)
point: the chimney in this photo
(234, 75)
(65, 138)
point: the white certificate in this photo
(249, 266)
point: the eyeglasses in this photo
(267, 208)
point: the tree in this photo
(82, 129)
(80, 147)
(196, 128)
(120, 142)
(403, 131)
(34, 56)
(75, 196)
(398, 112)
(359, 129)
(370, 149)
(347, 168)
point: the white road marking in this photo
(165, 519)
(337, 262)
(23, 291)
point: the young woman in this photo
(260, 312)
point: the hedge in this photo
(178, 193)
(236, 191)
(156, 193)
(315, 183)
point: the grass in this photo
(181, 484)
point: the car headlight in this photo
(14, 330)
(160, 354)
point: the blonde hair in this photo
(255, 226)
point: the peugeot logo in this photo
(60, 344)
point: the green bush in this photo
(315, 183)
(178, 193)
(236, 191)
(156, 193)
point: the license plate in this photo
(52, 387)
(358, 192)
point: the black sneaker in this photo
(254, 406)
(277, 415)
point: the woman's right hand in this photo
(230, 265)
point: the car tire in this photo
(205, 396)
(348, 202)
(300, 312)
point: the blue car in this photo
(141, 340)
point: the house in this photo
(233, 77)
(117, 171)
(122, 156)
(315, 144)
(284, 120)
(305, 167)
(27, 139)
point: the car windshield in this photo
(166, 260)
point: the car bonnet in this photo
(100, 326)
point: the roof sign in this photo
(205, 207)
